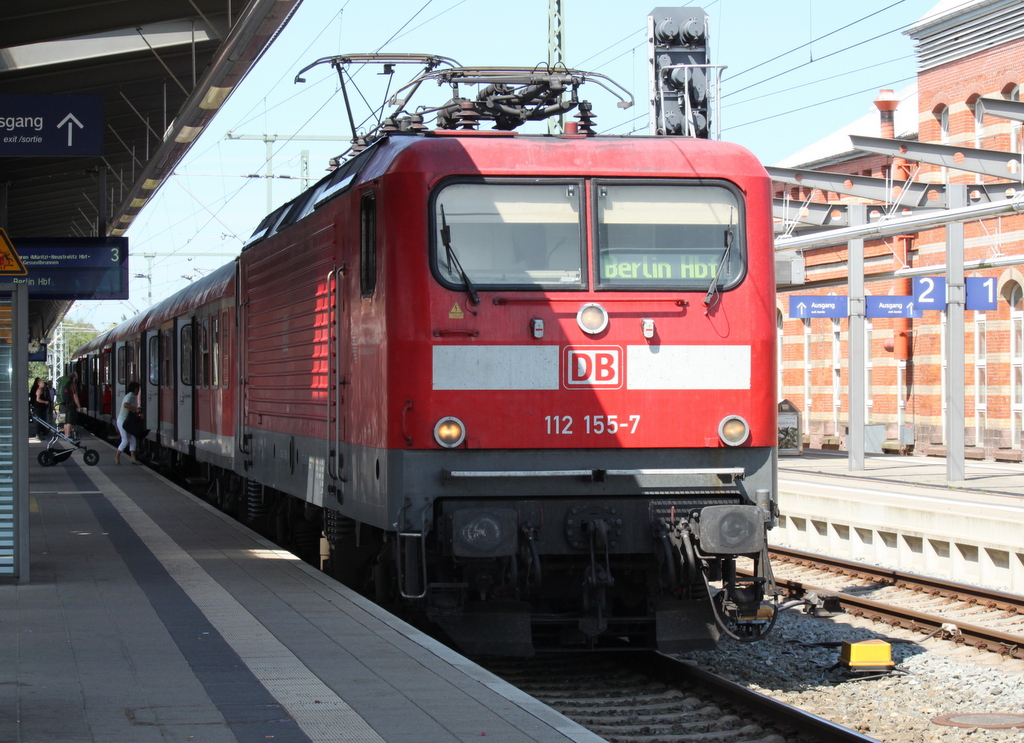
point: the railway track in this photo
(646, 697)
(985, 619)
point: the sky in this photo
(795, 72)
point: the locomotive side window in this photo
(186, 355)
(367, 244)
(525, 235)
(672, 236)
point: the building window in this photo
(944, 137)
(868, 369)
(980, 378)
(979, 132)
(1016, 363)
(1015, 143)
(808, 404)
(837, 373)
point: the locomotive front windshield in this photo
(674, 236)
(527, 235)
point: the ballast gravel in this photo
(934, 678)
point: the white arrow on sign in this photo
(801, 308)
(69, 120)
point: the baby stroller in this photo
(52, 454)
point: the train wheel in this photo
(45, 458)
(91, 457)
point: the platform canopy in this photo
(162, 68)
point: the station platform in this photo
(903, 512)
(997, 478)
(151, 616)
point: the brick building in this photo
(967, 50)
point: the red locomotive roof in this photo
(470, 152)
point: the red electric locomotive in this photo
(523, 382)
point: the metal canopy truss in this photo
(898, 194)
(987, 162)
(808, 214)
(1003, 108)
(163, 70)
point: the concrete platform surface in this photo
(150, 616)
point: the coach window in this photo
(668, 236)
(186, 355)
(521, 235)
(215, 351)
(367, 244)
(224, 349)
(154, 360)
(203, 375)
(121, 365)
(166, 359)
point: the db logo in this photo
(596, 366)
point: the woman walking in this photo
(130, 404)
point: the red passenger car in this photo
(524, 382)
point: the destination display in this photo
(74, 267)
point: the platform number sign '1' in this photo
(981, 293)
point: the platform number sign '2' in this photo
(930, 293)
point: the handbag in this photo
(135, 426)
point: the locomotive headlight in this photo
(449, 432)
(733, 430)
(592, 318)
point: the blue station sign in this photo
(51, 125)
(74, 267)
(885, 306)
(981, 293)
(930, 292)
(813, 305)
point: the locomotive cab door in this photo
(184, 432)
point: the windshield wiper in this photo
(709, 298)
(449, 252)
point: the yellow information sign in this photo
(10, 261)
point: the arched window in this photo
(1016, 299)
(943, 117)
(837, 373)
(1013, 94)
(980, 378)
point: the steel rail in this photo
(807, 723)
(982, 638)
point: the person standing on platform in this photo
(130, 404)
(70, 403)
(40, 401)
